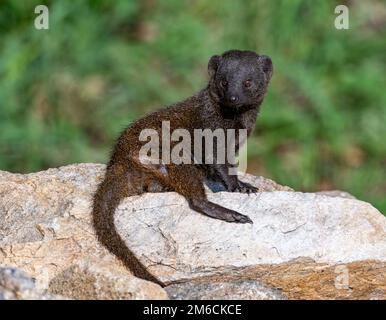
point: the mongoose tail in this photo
(110, 192)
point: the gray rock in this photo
(45, 220)
(46, 231)
(96, 280)
(336, 193)
(176, 243)
(15, 284)
(31, 205)
(234, 290)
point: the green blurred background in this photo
(67, 92)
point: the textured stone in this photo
(336, 193)
(304, 279)
(264, 184)
(31, 205)
(45, 220)
(46, 230)
(95, 280)
(231, 290)
(298, 243)
(287, 225)
(17, 285)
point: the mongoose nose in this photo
(233, 98)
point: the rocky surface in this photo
(229, 290)
(297, 247)
(88, 279)
(287, 225)
(45, 220)
(336, 193)
(46, 230)
(302, 278)
(17, 285)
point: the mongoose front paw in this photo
(244, 187)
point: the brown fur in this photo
(126, 175)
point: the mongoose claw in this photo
(240, 218)
(244, 187)
(246, 219)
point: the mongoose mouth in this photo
(230, 111)
(233, 105)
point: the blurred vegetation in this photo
(67, 92)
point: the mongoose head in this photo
(239, 79)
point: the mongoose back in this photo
(238, 82)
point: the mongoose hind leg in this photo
(216, 211)
(215, 186)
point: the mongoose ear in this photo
(213, 65)
(266, 62)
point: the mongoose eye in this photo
(247, 83)
(224, 83)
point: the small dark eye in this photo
(224, 83)
(247, 83)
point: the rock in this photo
(264, 184)
(329, 231)
(17, 285)
(304, 279)
(46, 222)
(87, 280)
(45, 218)
(31, 205)
(287, 225)
(45, 230)
(233, 290)
(336, 193)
